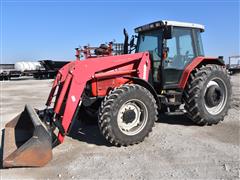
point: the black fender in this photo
(148, 86)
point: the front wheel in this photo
(127, 115)
(207, 94)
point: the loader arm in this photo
(72, 78)
(28, 137)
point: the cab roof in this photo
(161, 23)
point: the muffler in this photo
(27, 141)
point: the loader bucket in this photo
(27, 141)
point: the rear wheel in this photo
(207, 94)
(127, 115)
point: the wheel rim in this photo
(215, 101)
(132, 117)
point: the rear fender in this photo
(197, 62)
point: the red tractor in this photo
(126, 92)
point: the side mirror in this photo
(167, 32)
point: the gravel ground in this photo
(176, 149)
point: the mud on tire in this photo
(207, 94)
(127, 115)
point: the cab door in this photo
(181, 53)
(151, 41)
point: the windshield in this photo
(150, 41)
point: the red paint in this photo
(76, 74)
(101, 87)
(63, 93)
(72, 102)
(191, 67)
(114, 73)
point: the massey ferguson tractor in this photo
(161, 69)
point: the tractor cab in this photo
(172, 46)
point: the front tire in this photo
(207, 94)
(127, 115)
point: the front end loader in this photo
(125, 92)
(29, 136)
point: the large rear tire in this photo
(127, 115)
(207, 94)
